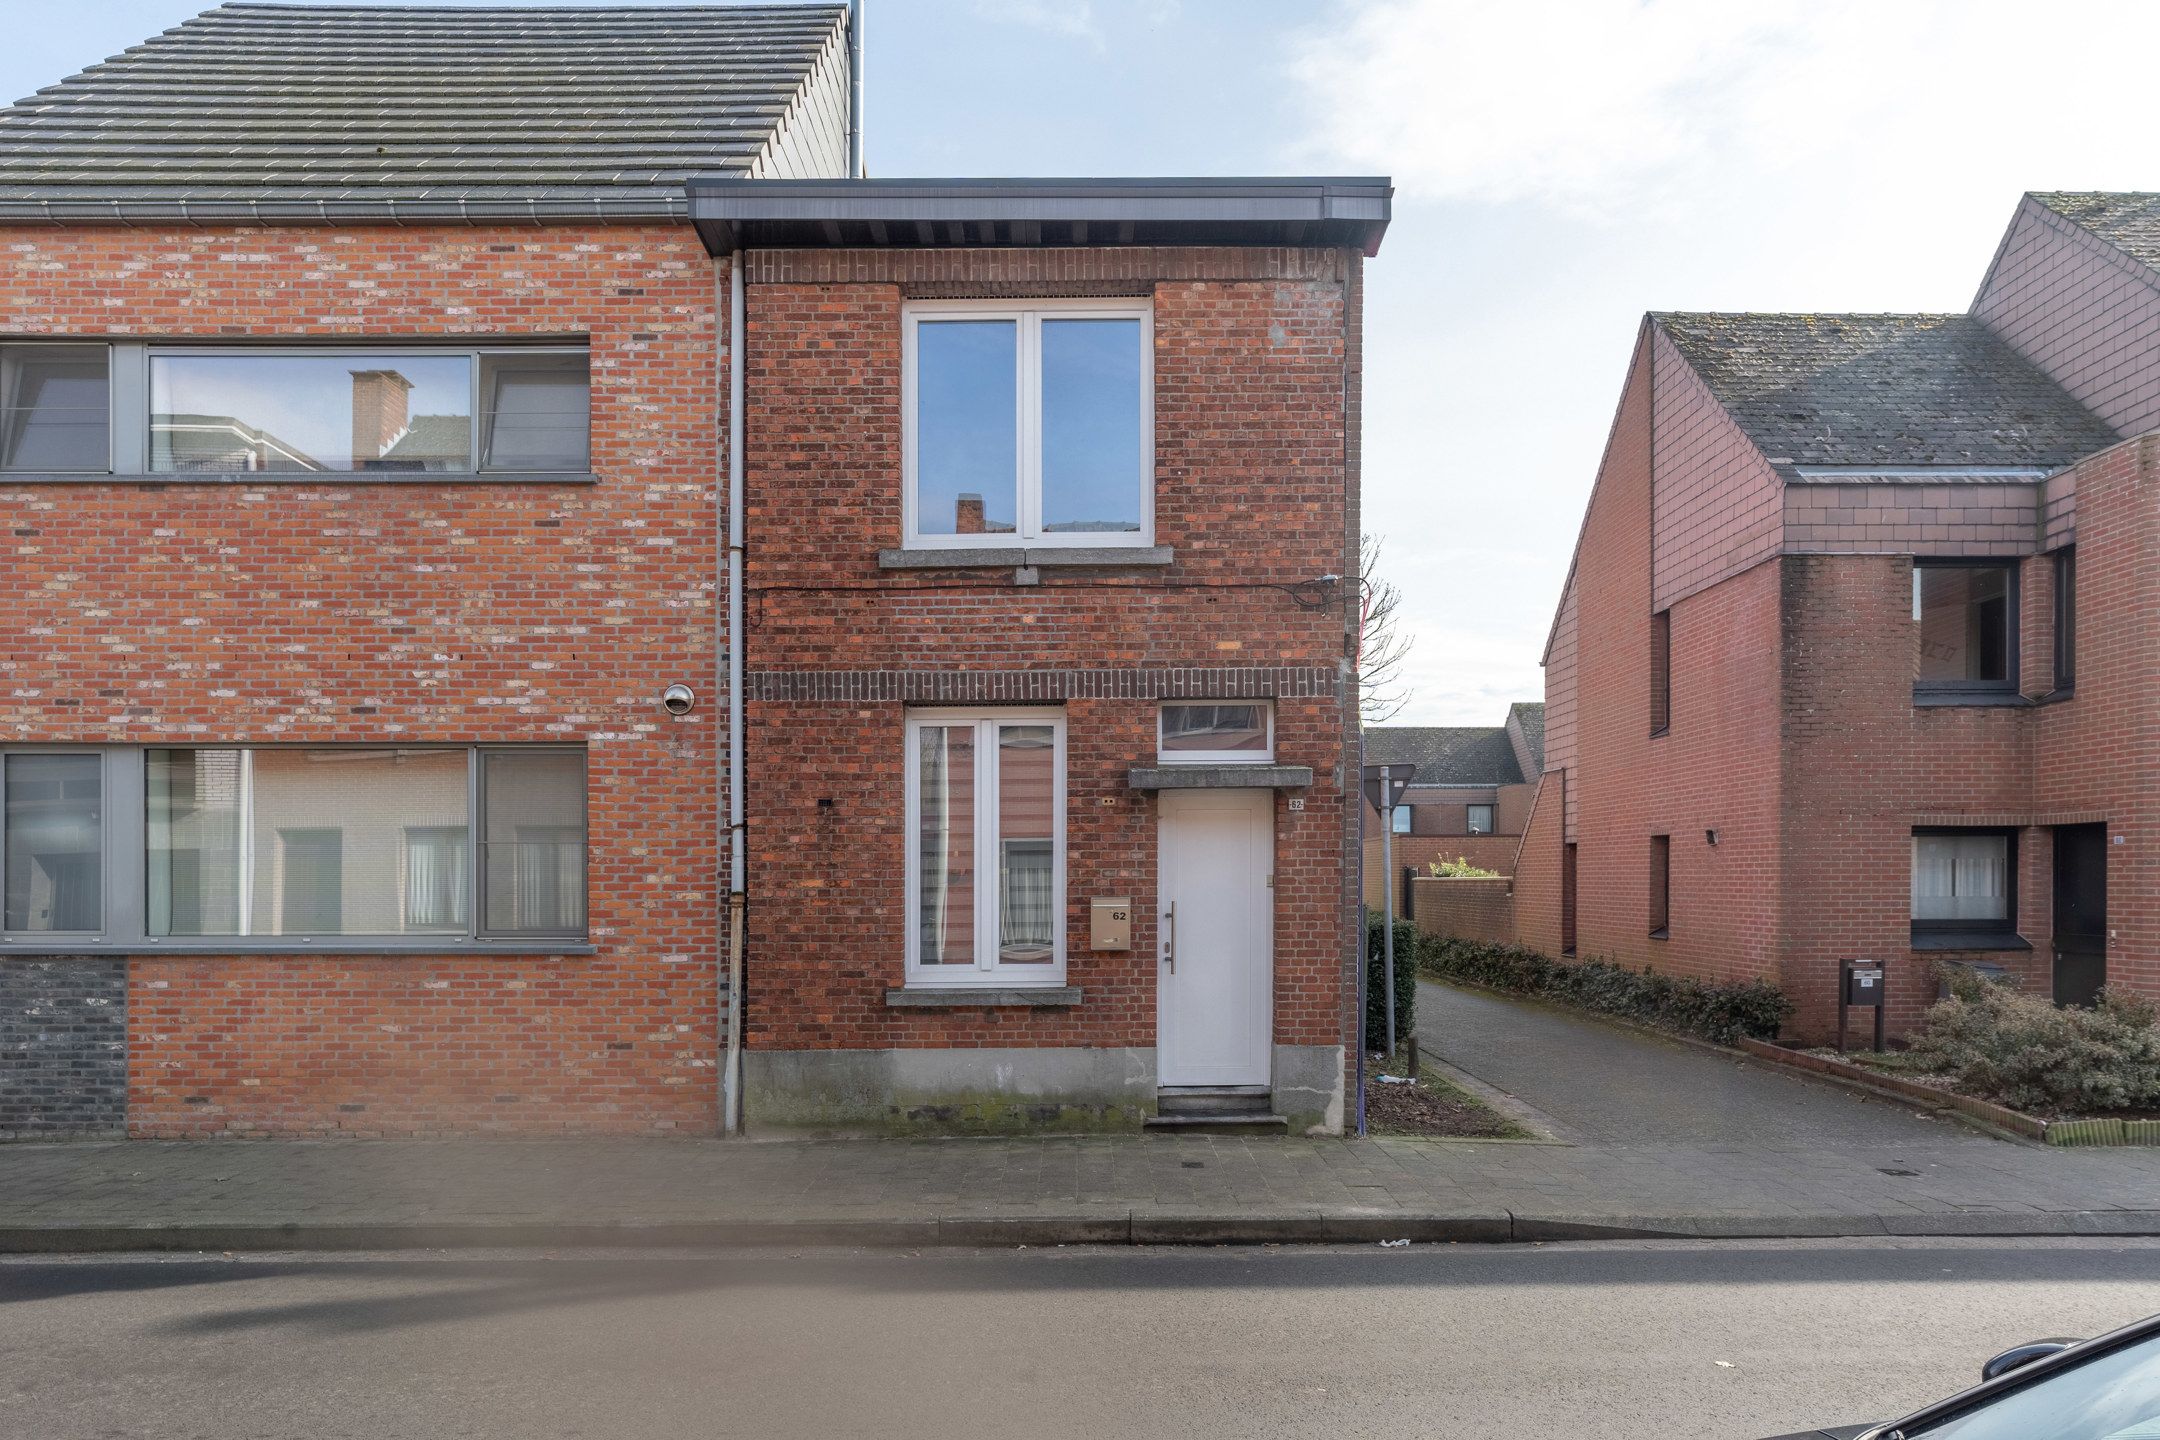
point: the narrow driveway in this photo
(1603, 1085)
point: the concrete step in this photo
(1229, 1100)
(1248, 1123)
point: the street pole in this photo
(1387, 871)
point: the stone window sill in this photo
(1930, 941)
(976, 997)
(1971, 699)
(1016, 557)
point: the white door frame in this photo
(1253, 1062)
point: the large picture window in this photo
(1029, 424)
(273, 847)
(986, 847)
(1967, 619)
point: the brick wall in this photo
(331, 612)
(63, 1047)
(1717, 510)
(1254, 368)
(1416, 852)
(1480, 910)
(2080, 309)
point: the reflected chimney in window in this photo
(381, 413)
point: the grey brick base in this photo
(63, 1047)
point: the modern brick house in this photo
(367, 449)
(1469, 799)
(1855, 656)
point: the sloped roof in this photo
(331, 109)
(2128, 220)
(1912, 390)
(1529, 719)
(1446, 755)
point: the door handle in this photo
(1169, 953)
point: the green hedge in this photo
(1407, 951)
(1723, 1013)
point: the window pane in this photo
(1481, 820)
(1027, 820)
(297, 413)
(2115, 1395)
(1091, 461)
(945, 844)
(1401, 820)
(1961, 878)
(1239, 728)
(536, 412)
(438, 878)
(966, 427)
(294, 842)
(1964, 622)
(53, 407)
(55, 818)
(534, 840)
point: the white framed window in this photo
(1216, 732)
(1028, 423)
(986, 847)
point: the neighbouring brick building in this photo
(368, 709)
(1855, 655)
(1468, 800)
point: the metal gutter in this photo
(738, 896)
(855, 163)
(345, 209)
(1307, 211)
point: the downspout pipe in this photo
(731, 1096)
(856, 170)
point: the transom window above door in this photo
(1028, 424)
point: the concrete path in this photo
(1604, 1085)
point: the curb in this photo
(1134, 1228)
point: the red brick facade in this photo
(1254, 360)
(325, 610)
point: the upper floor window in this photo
(1478, 819)
(1660, 672)
(135, 407)
(1242, 733)
(1029, 424)
(1399, 820)
(1966, 614)
(2066, 619)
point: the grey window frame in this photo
(2065, 677)
(127, 435)
(1492, 818)
(1975, 692)
(124, 888)
(1660, 673)
(2000, 934)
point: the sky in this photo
(1561, 167)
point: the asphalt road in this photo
(1611, 1340)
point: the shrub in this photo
(1460, 868)
(1406, 973)
(2029, 1054)
(1723, 1013)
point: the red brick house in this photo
(1854, 659)
(369, 703)
(1469, 800)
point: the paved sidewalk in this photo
(1659, 1139)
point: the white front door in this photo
(1215, 937)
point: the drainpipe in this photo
(856, 171)
(731, 1098)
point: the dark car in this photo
(2106, 1388)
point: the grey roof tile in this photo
(1884, 389)
(292, 104)
(2128, 219)
(1446, 755)
(1529, 717)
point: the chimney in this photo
(968, 516)
(381, 412)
